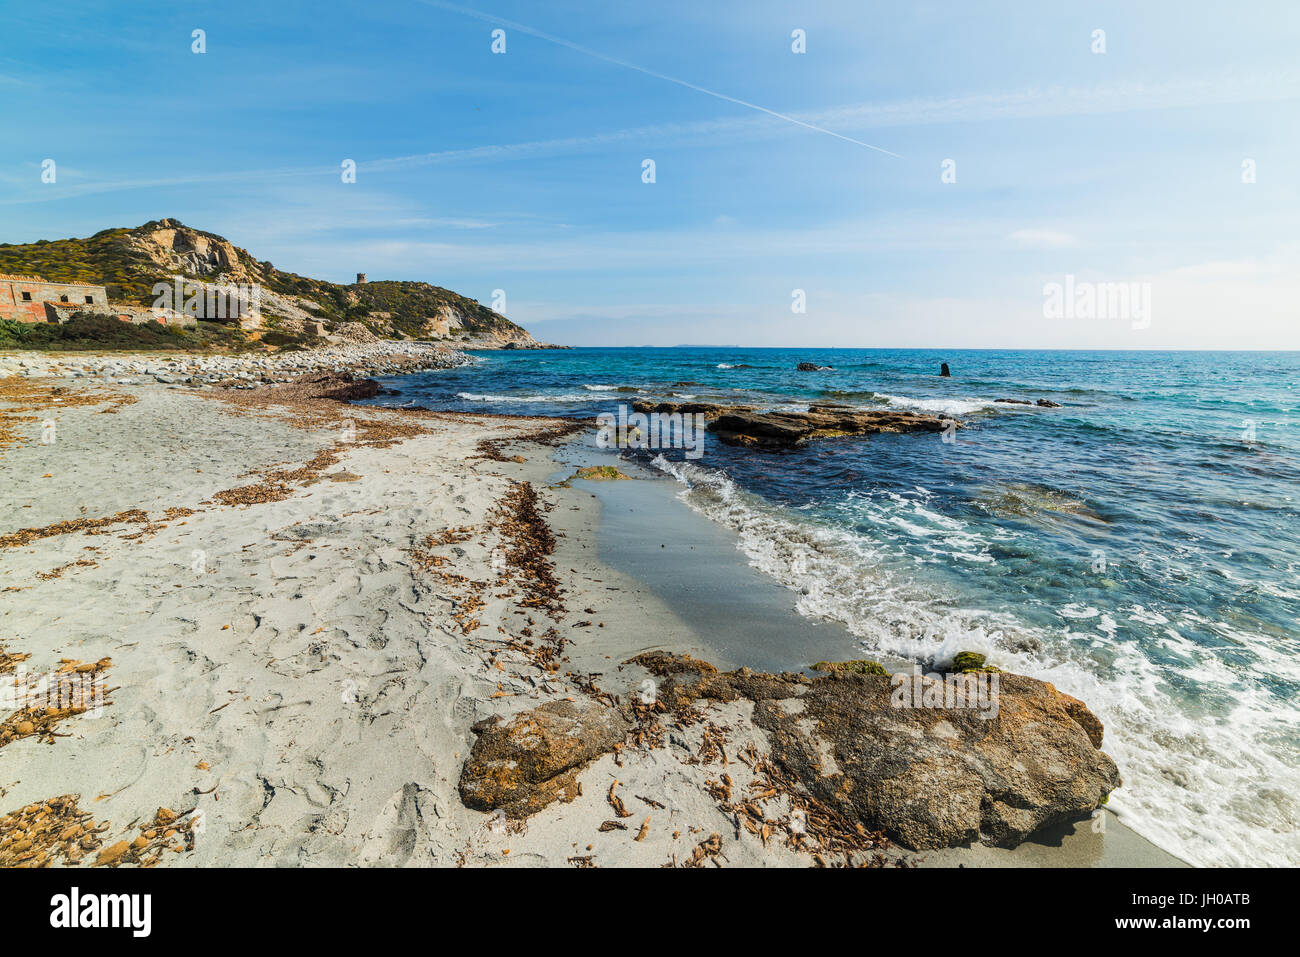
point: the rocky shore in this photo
(386, 357)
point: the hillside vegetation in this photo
(128, 262)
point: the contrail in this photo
(490, 18)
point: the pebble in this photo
(243, 371)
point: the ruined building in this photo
(32, 299)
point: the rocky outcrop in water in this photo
(1041, 403)
(813, 367)
(926, 776)
(710, 410)
(772, 431)
(744, 425)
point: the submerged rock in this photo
(523, 765)
(1026, 757)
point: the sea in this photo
(1139, 546)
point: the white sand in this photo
(287, 670)
(307, 677)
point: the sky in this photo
(918, 177)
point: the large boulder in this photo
(341, 386)
(526, 763)
(1022, 757)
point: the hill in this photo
(128, 262)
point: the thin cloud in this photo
(587, 51)
(1022, 105)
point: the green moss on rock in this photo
(967, 661)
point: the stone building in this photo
(25, 297)
(32, 299)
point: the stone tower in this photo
(361, 277)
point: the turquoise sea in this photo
(1139, 546)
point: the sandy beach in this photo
(304, 613)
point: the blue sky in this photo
(522, 171)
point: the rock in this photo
(813, 367)
(943, 370)
(600, 473)
(1044, 403)
(965, 662)
(710, 410)
(342, 387)
(525, 764)
(769, 431)
(927, 776)
(864, 667)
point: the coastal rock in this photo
(943, 370)
(927, 776)
(343, 387)
(523, 765)
(770, 431)
(1043, 403)
(710, 410)
(813, 367)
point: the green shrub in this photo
(86, 331)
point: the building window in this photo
(27, 297)
(63, 299)
(90, 300)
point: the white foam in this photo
(1214, 789)
(942, 406)
(567, 397)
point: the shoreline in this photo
(709, 557)
(343, 744)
